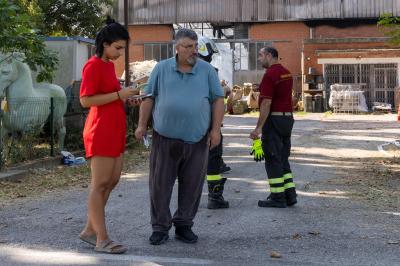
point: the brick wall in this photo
(140, 34)
(311, 50)
(325, 31)
(314, 51)
(288, 40)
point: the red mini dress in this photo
(105, 128)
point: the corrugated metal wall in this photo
(181, 11)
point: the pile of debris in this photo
(242, 99)
(382, 107)
(348, 98)
(140, 70)
(390, 148)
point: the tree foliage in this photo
(391, 26)
(67, 17)
(24, 23)
(18, 35)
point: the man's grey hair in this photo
(271, 50)
(185, 33)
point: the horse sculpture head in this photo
(8, 69)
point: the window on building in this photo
(246, 55)
(158, 51)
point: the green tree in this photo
(68, 17)
(18, 35)
(391, 27)
(31, 8)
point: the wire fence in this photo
(34, 128)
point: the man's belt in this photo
(282, 113)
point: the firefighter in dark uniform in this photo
(275, 125)
(216, 165)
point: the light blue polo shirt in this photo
(183, 101)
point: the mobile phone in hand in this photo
(142, 96)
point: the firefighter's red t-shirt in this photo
(105, 127)
(277, 85)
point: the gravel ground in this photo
(336, 222)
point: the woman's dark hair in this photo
(110, 33)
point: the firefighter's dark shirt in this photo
(277, 85)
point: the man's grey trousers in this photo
(171, 159)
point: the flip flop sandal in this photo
(110, 247)
(91, 239)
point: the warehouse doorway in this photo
(379, 80)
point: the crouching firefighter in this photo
(275, 124)
(216, 165)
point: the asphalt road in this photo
(327, 227)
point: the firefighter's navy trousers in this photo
(215, 159)
(276, 145)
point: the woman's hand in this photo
(127, 92)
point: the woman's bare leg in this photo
(101, 168)
(116, 174)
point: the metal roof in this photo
(184, 11)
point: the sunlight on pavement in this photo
(236, 156)
(245, 135)
(238, 145)
(321, 160)
(239, 127)
(132, 176)
(354, 137)
(19, 254)
(335, 152)
(324, 194)
(32, 256)
(324, 165)
(393, 213)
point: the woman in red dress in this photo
(105, 130)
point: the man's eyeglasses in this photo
(191, 46)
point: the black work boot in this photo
(215, 198)
(224, 168)
(274, 200)
(291, 196)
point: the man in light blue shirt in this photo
(187, 108)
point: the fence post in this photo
(52, 126)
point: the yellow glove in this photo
(257, 150)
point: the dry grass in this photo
(43, 180)
(376, 182)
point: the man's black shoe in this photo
(271, 203)
(185, 234)
(158, 238)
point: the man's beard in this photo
(265, 65)
(192, 60)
